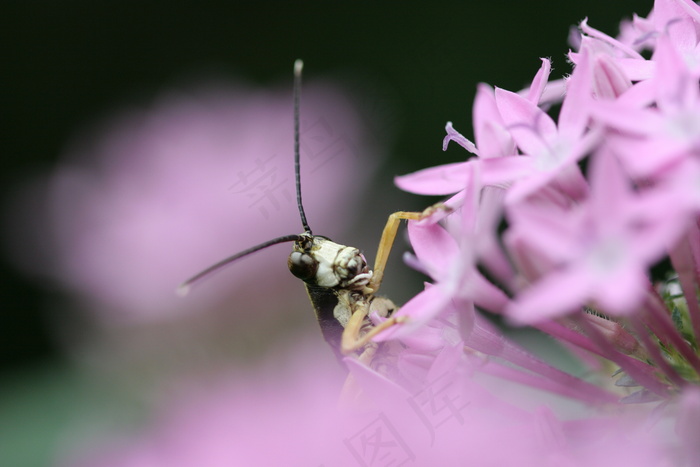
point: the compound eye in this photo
(302, 265)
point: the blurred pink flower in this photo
(158, 193)
(287, 413)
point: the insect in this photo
(340, 285)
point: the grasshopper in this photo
(339, 283)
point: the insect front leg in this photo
(351, 340)
(388, 237)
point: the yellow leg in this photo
(348, 343)
(364, 340)
(351, 340)
(388, 237)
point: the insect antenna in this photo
(184, 288)
(298, 65)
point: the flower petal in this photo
(441, 180)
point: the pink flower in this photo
(549, 153)
(650, 139)
(550, 149)
(599, 250)
(494, 142)
(575, 250)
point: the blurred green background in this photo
(67, 64)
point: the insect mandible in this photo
(340, 285)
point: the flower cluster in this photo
(576, 213)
